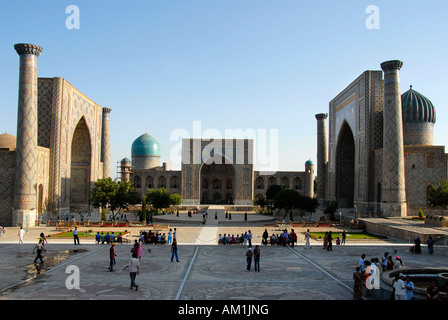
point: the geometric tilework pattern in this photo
(7, 169)
(26, 175)
(45, 97)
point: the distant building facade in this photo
(211, 173)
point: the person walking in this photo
(430, 245)
(432, 291)
(174, 250)
(330, 242)
(357, 284)
(376, 271)
(325, 246)
(134, 270)
(293, 237)
(257, 258)
(283, 238)
(384, 260)
(20, 234)
(249, 238)
(170, 237)
(43, 238)
(417, 245)
(140, 249)
(409, 286)
(344, 237)
(400, 293)
(249, 256)
(361, 262)
(112, 256)
(367, 275)
(307, 239)
(39, 248)
(75, 236)
(265, 237)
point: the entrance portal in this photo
(80, 166)
(345, 166)
(217, 183)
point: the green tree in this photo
(287, 199)
(308, 204)
(271, 192)
(330, 208)
(261, 201)
(438, 197)
(143, 213)
(175, 199)
(161, 199)
(158, 198)
(113, 194)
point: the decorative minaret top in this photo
(26, 48)
(392, 64)
(321, 116)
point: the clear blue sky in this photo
(231, 64)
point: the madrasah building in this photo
(377, 152)
(212, 172)
(62, 147)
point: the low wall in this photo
(436, 220)
(401, 233)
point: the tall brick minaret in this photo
(105, 142)
(393, 188)
(25, 183)
(322, 153)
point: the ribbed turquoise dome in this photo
(309, 163)
(417, 108)
(125, 161)
(145, 145)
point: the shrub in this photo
(420, 214)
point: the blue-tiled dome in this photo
(145, 145)
(417, 108)
(309, 163)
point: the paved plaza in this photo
(206, 271)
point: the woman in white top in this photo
(398, 263)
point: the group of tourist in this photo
(244, 239)
(328, 240)
(108, 238)
(149, 237)
(417, 247)
(282, 239)
(256, 257)
(367, 275)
